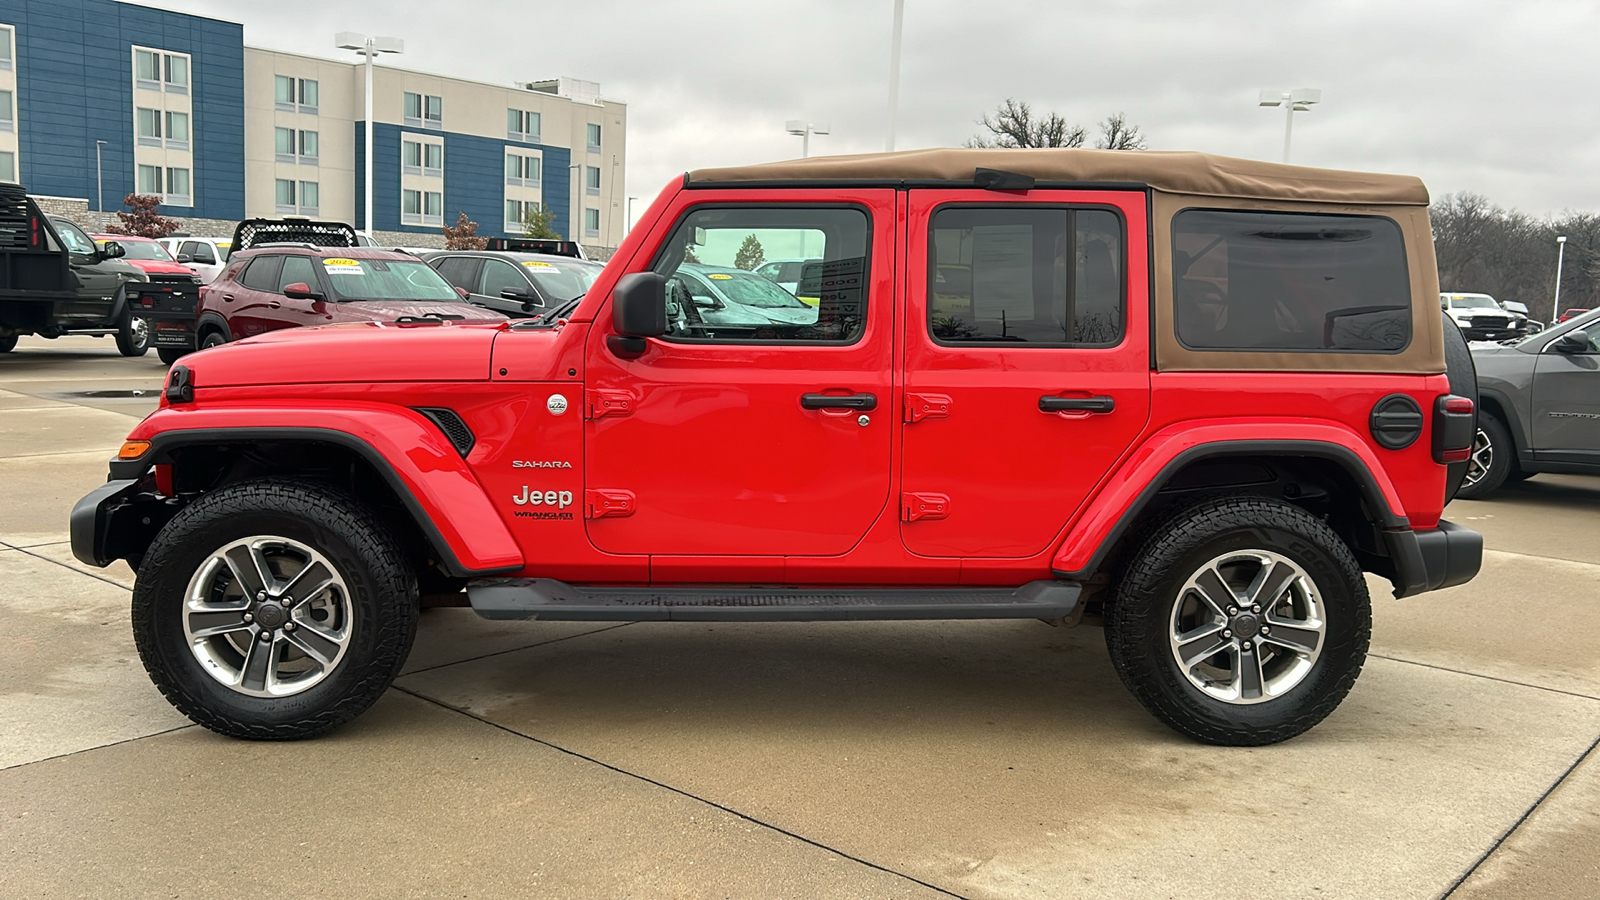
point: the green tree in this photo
(144, 219)
(750, 254)
(538, 221)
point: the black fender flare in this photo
(210, 319)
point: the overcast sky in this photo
(1495, 98)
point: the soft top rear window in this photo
(1249, 280)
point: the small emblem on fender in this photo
(557, 404)
(540, 464)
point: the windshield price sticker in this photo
(719, 276)
(338, 266)
(535, 264)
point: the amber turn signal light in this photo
(133, 449)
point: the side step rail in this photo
(546, 598)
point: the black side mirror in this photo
(112, 250)
(526, 298)
(638, 311)
(1573, 342)
(185, 258)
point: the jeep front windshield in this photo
(387, 279)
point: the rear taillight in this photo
(1455, 424)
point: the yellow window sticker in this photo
(719, 276)
(535, 264)
(340, 266)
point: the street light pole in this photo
(805, 130)
(629, 229)
(1298, 100)
(368, 47)
(894, 70)
(99, 181)
(1561, 254)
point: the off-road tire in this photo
(1502, 459)
(1138, 618)
(382, 595)
(170, 355)
(8, 343)
(132, 339)
(1463, 375)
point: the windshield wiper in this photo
(549, 316)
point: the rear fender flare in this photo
(1116, 507)
(411, 454)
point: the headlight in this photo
(135, 275)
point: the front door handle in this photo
(1051, 404)
(829, 401)
(228, 297)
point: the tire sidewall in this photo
(1500, 453)
(159, 596)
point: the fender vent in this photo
(1396, 422)
(456, 430)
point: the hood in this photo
(389, 311)
(159, 267)
(356, 352)
(789, 315)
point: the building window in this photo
(594, 137)
(150, 180)
(411, 157)
(177, 131)
(591, 223)
(522, 171)
(433, 160)
(285, 195)
(309, 152)
(177, 74)
(284, 150)
(147, 69)
(433, 111)
(413, 110)
(309, 197)
(513, 213)
(178, 193)
(148, 123)
(410, 207)
(591, 180)
(8, 166)
(8, 115)
(522, 126)
(309, 93)
(283, 93)
(433, 208)
(6, 38)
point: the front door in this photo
(1566, 403)
(766, 437)
(1027, 362)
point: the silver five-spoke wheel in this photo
(1247, 626)
(267, 616)
(1482, 458)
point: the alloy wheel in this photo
(1481, 459)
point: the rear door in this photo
(753, 440)
(246, 303)
(1027, 362)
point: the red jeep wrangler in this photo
(1191, 397)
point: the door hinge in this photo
(914, 506)
(927, 406)
(601, 403)
(598, 504)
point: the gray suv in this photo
(1539, 406)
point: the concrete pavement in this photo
(984, 760)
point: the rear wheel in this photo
(1240, 621)
(274, 609)
(133, 334)
(1492, 462)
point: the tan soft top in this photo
(1177, 172)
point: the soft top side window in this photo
(716, 296)
(1274, 281)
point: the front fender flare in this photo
(1118, 504)
(416, 460)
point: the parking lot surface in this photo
(972, 759)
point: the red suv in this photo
(287, 285)
(1188, 398)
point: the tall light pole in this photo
(626, 231)
(100, 184)
(1298, 100)
(894, 70)
(1561, 254)
(368, 47)
(805, 130)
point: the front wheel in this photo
(274, 609)
(1240, 621)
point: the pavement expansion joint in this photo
(82, 750)
(57, 562)
(62, 453)
(1537, 687)
(557, 640)
(682, 793)
(1526, 814)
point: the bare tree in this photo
(1014, 124)
(1483, 248)
(463, 235)
(1117, 134)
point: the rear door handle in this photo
(228, 297)
(274, 304)
(849, 401)
(1076, 404)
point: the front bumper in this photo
(117, 521)
(1433, 558)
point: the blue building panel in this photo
(74, 62)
